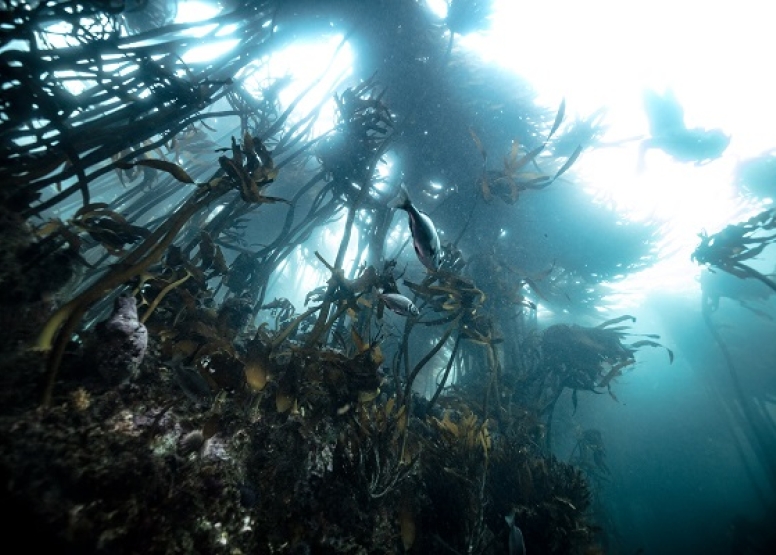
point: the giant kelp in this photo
(309, 432)
(729, 251)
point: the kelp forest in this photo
(221, 333)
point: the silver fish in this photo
(516, 543)
(400, 304)
(424, 235)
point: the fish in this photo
(425, 239)
(669, 133)
(516, 542)
(399, 304)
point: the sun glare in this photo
(323, 63)
(438, 7)
(605, 53)
(193, 11)
(595, 54)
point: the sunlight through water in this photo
(191, 11)
(323, 65)
(605, 53)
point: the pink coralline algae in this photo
(121, 342)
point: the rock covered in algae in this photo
(120, 342)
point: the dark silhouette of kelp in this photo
(312, 432)
(669, 133)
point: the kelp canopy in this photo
(178, 191)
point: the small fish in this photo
(424, 235)
(516, 543)
(399, 304)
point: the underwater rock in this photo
(120, 342)
(193, 442)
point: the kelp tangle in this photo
(157, 398)
(737, 243)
